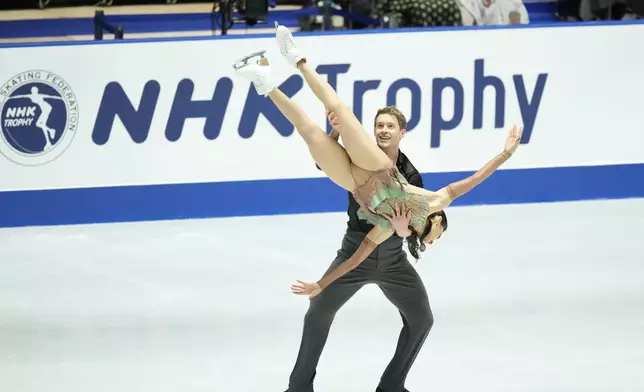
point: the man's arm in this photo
(409, 171)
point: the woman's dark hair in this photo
(415, 242)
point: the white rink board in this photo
(589, 112)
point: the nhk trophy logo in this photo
(38, 117)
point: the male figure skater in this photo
(387, 267)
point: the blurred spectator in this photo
(360, 7)
(568, 10)
(636, 10)
(602, 9)
(578, 10)
(316, 22)
(417, 13)
(505, 12)
(493, 12)
(420, 13)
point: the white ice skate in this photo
(255, 67)
(287, 45)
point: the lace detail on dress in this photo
(419, 211)
(383, 189)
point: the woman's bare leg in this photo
(329, 155)
(363, 150)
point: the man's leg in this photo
(322, 311)
(402, 285)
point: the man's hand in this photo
(333, 120)
(399, 219)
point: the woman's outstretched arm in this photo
(459, 188)
(444, 197)
(375, 237)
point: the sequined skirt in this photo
(383, 186)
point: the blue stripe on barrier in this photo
(291, 196)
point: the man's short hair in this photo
(392, 110)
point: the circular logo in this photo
(38, 117)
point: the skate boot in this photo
(287, 45)
(255, 67)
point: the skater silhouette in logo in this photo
(45, 110)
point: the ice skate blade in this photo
(246, 60)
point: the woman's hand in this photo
(306, 288)
(513, 140)
(399, 219)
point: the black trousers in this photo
(389, 268)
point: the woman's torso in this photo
(379, 193)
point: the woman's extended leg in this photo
(329, 155)
(364, 151)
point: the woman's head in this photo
(434, 229)
(436, 226)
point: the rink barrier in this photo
(251, 35)
(295, 196)
(103, 204)
(540, 12)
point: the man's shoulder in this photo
(405, 165)
(403, 159)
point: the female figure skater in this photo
(360, 166)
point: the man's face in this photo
(387, 132)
